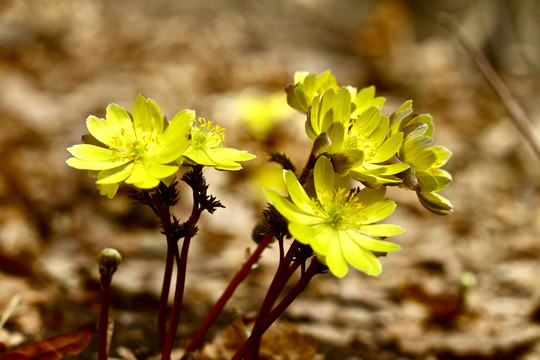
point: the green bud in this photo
(108, 260)
(435, 203)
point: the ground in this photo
(464, 286)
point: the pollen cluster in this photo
(340, 209)
(206, 134)
(134, 146)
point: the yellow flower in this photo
(139, 149)
(206, 148)
(338, 222)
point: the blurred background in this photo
(464, 286)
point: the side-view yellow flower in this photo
(338, 223)
(307, 86)
(140, 149)
(327, 109)
(425, 175)
(206, 148)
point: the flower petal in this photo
(297, 193)
(174, 141)
(382, 229)
(116, 175)
(323, 177)
(91, 153)
(199, 156)
(368, 196)
(118, 122)
(108, 190)
(160, 171)
(94, 165)
(388, 148)
(335, 260)
(360, 258)
(371, 244)
(289, 210)
(141, 177)
(369, 120)
(377, 211)
(317, 236)
(147, 115)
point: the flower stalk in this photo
(222, 301)
(108, 260)
(314, 268)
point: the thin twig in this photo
(517, 114)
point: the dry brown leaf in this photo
(52, 348)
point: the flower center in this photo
(206, 134)
(340, 209)
(134, 145)
(356, 140)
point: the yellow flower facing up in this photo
(207, 149)
(338, 224)
(140, 149)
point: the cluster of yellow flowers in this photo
(144, 148)
(354, 140)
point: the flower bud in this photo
(435, 203)
(108, 260)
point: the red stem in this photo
(164, 216)
(283, 274)
(164, 297)
(220, 304)
(312, 270)
(178, 299)
(104, 320)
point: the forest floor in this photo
(61, 61)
